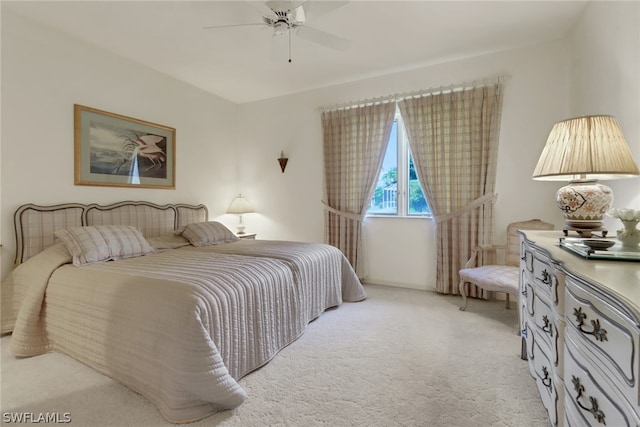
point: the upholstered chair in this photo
(498, 277)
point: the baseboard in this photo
(418, 286)
(492, 296)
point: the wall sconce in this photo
(283, 161)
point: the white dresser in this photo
(580, 323)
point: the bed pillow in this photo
(168, 241)
(208, 233)
(103, 242)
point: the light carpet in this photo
(401, 358)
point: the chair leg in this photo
(463, 292)
(507, 305)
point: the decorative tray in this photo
(596, 249)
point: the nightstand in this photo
(247, 236)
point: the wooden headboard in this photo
(36, 224)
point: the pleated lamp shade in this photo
(589, 147)
(240, 205)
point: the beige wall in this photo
(223, 148)
(402, 251)
(549, 83)
(605, 77)
(44, 73)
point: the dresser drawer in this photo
(540, 312)
(549, 385)
(540, 271)
(608, 337)
(590, 398)
(544, 321)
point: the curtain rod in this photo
(501, 78)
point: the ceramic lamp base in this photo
(240, 226)
(584, 204)
(586, 232)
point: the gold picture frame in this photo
(118, 151)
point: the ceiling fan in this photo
(289, 18)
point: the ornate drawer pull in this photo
(547, 327)
(524, 258)
(579, 388)
(599, 333)
(546, 277)
(546, 381)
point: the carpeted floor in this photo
(401, 358)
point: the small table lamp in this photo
(583, 150)
(240, 205)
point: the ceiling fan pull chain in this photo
(289, 44)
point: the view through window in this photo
(398, 190)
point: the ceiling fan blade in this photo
(261, 7)
(313, 9)
(234, 25)
(284, 5)
(323, 38)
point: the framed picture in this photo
(118, 151)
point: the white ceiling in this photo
(237, 63)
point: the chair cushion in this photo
(502, 278)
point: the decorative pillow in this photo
(103, 242)
(208, 233)
(168, 241)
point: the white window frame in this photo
(402, 192)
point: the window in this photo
(398, 190)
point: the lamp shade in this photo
(582, 151)
(240, 205)
(586, 148)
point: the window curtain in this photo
(355, 140)
(453, 137)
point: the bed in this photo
(172, 305)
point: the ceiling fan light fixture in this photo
(280, 28)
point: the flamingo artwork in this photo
(144, 146)
(138, 146)
(148, 148)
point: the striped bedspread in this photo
(182, 326)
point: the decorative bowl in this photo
(601, 245)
